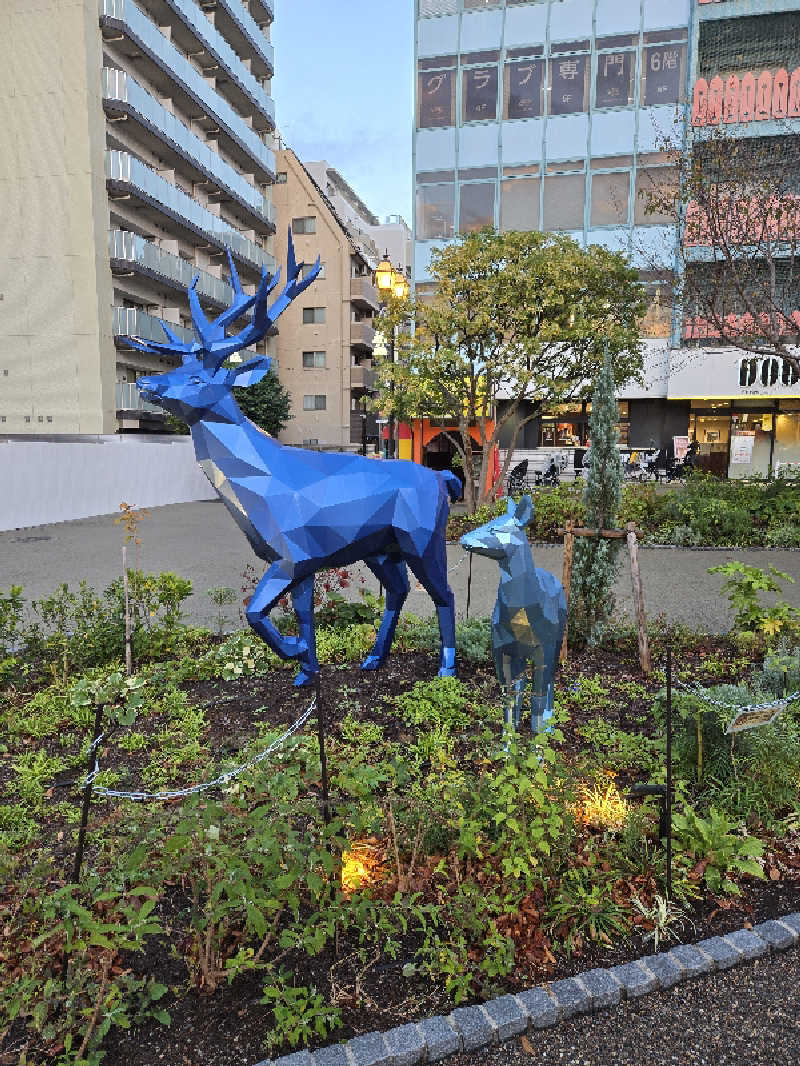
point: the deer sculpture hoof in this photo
(372, 662)
(447, 663)
(305, 678)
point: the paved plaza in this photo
(201, 542)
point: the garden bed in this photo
(481, 871)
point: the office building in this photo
(137, 146)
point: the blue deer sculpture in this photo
(529, 615)
(303, 511)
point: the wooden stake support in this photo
(570, 532)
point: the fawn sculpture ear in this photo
(251, 372)
(523, 512)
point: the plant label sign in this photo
(752, 717)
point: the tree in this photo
(523, 317)
(266, 403)
(595, 564)
(737, 203)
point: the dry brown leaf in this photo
(526, 1045)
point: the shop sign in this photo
(751, 98)
(728, 372)
(742, 447)
(680, 447)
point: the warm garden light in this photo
(361, 866)
(602, 807)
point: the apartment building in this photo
(138, 142)
(555, 115)
(326, 340)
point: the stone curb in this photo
(471, 1028)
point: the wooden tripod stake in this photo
(570, 531)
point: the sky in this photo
(343, 91)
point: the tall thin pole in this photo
(390, 450)
(669, 771)
(469, 584)
(323, 759)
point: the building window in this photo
(306, 269)
(315, 403)
(313, 360)
(435, 211)
(477, 206)
(313, 316)
(656, 191)
(281, 177)
(436, 95)
(523, 88)
(610, 196)
(663, 74)
(479, 94)
(304, 225)
(519, 204)
(564, 196)
(614, 84)
(568, 85)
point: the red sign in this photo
(746, 99)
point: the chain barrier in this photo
(192, 790)
(767, 706)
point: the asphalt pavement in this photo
(200, 541)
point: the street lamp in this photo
(390, 282)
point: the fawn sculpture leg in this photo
(432, 575)
(269, 590)
(393, 575)
(542, 696)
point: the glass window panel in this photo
(653, 185)
(561, 47)
(519, 204)
(477, 206)
(568, 85)
(614, 86)
(663, 68)
(523, 88)
(610, 196)
(563, 202)
(436, 94)
(479, 94)
(435, 211)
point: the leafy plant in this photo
(441, 702)
(300, 1014)
(715, 850)
(665, 918)
(221, 597)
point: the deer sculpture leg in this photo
(269, 590)
(432, 575)
(393, 575)
(303, 603)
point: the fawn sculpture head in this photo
(201, 384)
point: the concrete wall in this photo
(55, 481)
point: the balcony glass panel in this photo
(128, 398)
(249, 27)
(131, 322)
(131, 173)
(126, 16)
(130, 248)
(120, 87)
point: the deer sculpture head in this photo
(201, 383)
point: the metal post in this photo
(390, 449)
(87, 799)
(364, 427)
(669, 771)
(323, 760)
(469, 584)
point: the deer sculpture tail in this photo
(453, 484)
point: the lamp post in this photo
(390, 282)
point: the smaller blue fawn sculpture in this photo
(529, 615)
(303, 511)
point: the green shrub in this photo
(786, 535)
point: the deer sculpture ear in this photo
(251, 372)
(524, 511)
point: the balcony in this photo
(130, 399)
(362, 377)
(241, 29)
(357, 428)
(123, 16)
(269, 9)
(131, 322)
(127, 175)
(362, 334)
(132, 252)
(364, 294)
(123, 95)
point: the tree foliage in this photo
(596, 560)
(267, 403)
(515, 316)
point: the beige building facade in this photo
(326, 338)
(136, 145)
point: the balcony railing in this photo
(362, 377)
(134, 251)
(131, 322)
(216, 45)
(269, 8)
(362, 291)
(129, 175)
(362, 334)
(358, 430)
(249, 28)
(125, 17)
(122, 93)
(130, 399)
